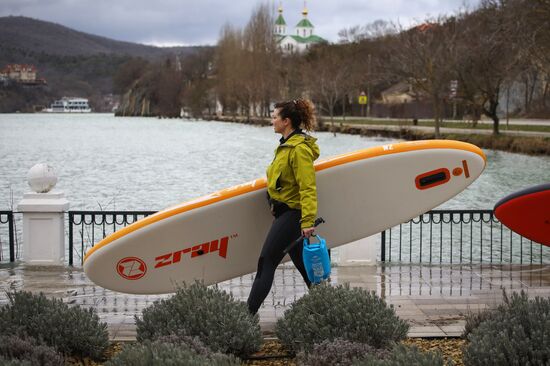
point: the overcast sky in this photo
(198, 22)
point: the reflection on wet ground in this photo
(433, 299)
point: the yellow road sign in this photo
(363, 99)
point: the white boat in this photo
(69, 105)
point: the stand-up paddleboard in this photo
(527, 212)
(220, 236)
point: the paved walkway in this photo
(484, 120)
(433, 299)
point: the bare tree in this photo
(128, 73)
(197, 74)
(423, 56)
(227, 65)
(167, 88)
(292, 76)
(377, 29)
(248, 65)
(533, 47)
(537, 22)
(263, 60)
(488, 57)
(327, 76)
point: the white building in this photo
(301, 39)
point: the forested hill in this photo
(45, 37)
(73, 63)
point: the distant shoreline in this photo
(529, 145)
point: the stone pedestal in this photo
(44, 227)
(360, 252)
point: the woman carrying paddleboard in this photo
(292, 194)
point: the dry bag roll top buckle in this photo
(316, 259)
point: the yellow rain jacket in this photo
(291, 176)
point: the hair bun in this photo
(300, 111)
(306, 111)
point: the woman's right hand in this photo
(307, 232)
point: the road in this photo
(513, 121)
(430, 129)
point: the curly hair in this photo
(299, 111)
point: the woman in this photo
(292, 194)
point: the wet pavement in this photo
(433, 299)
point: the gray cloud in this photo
(199, 22)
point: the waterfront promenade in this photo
(165, 160)
(434, 299)
(520, 127)
(449, 130)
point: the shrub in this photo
(220, 322)
(28, 349)
(327, 313)
(473, 320)
(161, 353)
(404, 356)
(8, 362)
(193, 343)
(517, 333)
(71, 330)
(338, 352)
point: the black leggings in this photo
(285, 229)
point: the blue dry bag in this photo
(316, 260)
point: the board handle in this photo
(301, 238)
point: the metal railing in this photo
(92, 226)
(6, 217)
(439, 237)
(457, 237)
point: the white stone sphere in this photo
(42, 178)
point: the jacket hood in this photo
(310, 141)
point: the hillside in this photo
(54, 39)
(72, 62)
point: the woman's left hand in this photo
(307, 232)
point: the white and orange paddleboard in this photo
(219, 236)
(527, 212)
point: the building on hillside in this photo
(401, 92)
(303, 37)
(402, 100)
(24, 74)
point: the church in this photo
(301, 39)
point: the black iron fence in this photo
(92, 226)
(439, 236)
(7, 234)
(457, 237)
